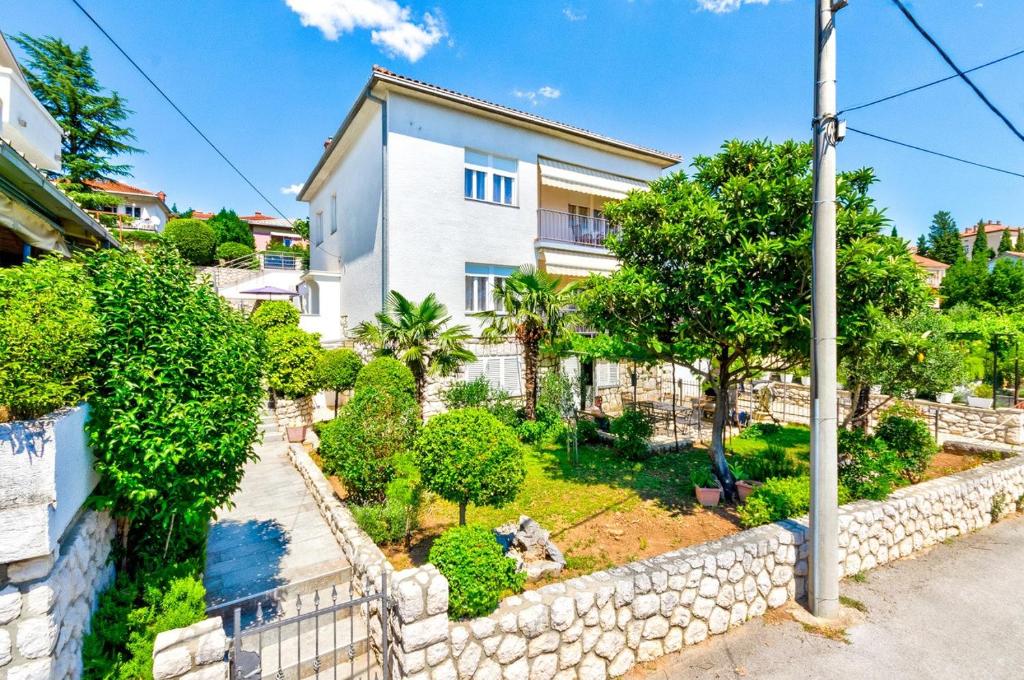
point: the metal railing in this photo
(313, 638)
(122, 221)
(553, 225)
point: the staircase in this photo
(269, 427)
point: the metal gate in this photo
(321, 639)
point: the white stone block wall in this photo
(46, 603)
(294, 412)
(197, 652)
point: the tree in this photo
(533, 309)
(193, 239)
(419, 336)
(1006, 284)
(922, 246)
(467, 456)
(338, 371)
(894, 233)
(981, 252)
(273, 313)
(293, 362)
(227, 227)
(966, 282)
(717, 266)
(301, 227)
(63, 80)
(944, 239)
(1005, 242)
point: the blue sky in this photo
(678, 75)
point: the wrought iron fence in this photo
(312, 636)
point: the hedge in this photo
(193, 238)
(232, 251)
(274, 313)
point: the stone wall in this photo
(197, 652)
(601, 625)
(46, 603)
(294, 412)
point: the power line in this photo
(910, 17)
(934, 82)
(935, 153)
(180, 112)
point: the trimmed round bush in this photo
(274, 313)
(293, 362)
(633, 431)
(361, 445)
(909, 438)
(478, 572)
(47, 335)
(469, 456)
(388, 375)
(193, 238)
(228, 227)
(339, 369)
(231, 250)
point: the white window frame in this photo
(492, 275)
(606, 374)
(318, 228)
(502, 372)
(334, 213)
(490, 171)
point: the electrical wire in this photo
(927, 85)
(934, 153)
(963, 76)
(180, 112)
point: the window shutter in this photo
(474, 370)
(613, 375)
(511, 377)
(494, 372)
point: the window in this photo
(501, 372)
(500, 188)
(606, 374)
(481, 282)
(334, 213)
(318, 228)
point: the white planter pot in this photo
(876, 389)
(944, 397)
(805, 380)
(787, 377)
(979, 402)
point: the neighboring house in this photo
(423, 189)
(35, 215)
(139, 209)
(993, 233)
(934, 271)
(267, 230)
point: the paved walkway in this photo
(955, 612)
(274, 536)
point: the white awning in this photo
(585, 180)
(30, 226)
(568, 262)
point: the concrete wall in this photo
(24, 121)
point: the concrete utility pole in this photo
(823, 576)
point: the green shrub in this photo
(387, 375)
(983, 390)
(531, 431)
(760, 431)
(48, 332)
(867, 466)
(383, 522)
(293, 362)
(633, 430)
(230, 250)
(138, 236)
(228, 227)
(338, 371)
(193, 238)
(468, 456)
(361, 445)
(780, 498)
(702, 476)
(908, 436)
(773, 461)
(274, 313)
(586, 431)
(132, 612)
(175, 409)
(478, 573)
(479, 393)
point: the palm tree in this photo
(530, 307)
(418, 335)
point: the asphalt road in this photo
(956, 612)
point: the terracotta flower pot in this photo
(708, 496)
(297, 434)
(745, 488)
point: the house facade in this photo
(267, 230)
(423, 190)
(35, 215)
(934, 272)
(993, 233)
(139, 209)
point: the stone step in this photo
(332, 667)
(272, 436)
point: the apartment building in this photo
(423, 189)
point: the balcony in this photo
(553, 225)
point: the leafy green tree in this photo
(1018, 246)
(965, 282)
(980, 252)
(533, 310)
(338, 371)
(63, 80)
(1005, 242)
(227, 227)
(468, 456)
(293, 362)
(419, 335)
(717, 266)
(193, 238)
(273, 313)
(922, 246)
(944, 239)
(1006, 284)
(301, 228)
(175, 409)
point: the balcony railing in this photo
(119, 221)
(553, 225)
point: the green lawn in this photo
(795, 439)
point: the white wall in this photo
(39, 138)
(153, 214)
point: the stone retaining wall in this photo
(196, 652)
(294, 412)
(46, 603)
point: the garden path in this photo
(274, 536)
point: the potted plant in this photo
(803, 375)
(981, 396)
(744, 485)
(705, 486)
(944, 397)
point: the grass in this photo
(830, 632)
(853, 604)
(859, 577)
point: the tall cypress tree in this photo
(980, 252)
(63, 80)
(922, 246)
(944, 239)
(1018, 247)
(1005, 243)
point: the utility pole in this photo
(823, 582)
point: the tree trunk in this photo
(462, 514)
(861, 395)
(421, 388)
(530, 351)
(719, 464)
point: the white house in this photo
(138, 209)
(993, 235)
(423, 189)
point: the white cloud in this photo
(725, 6)
(534, 96)
(291, 189)
(391, 26)
(574, 14)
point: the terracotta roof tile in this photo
(928, 262)
(118, 187)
